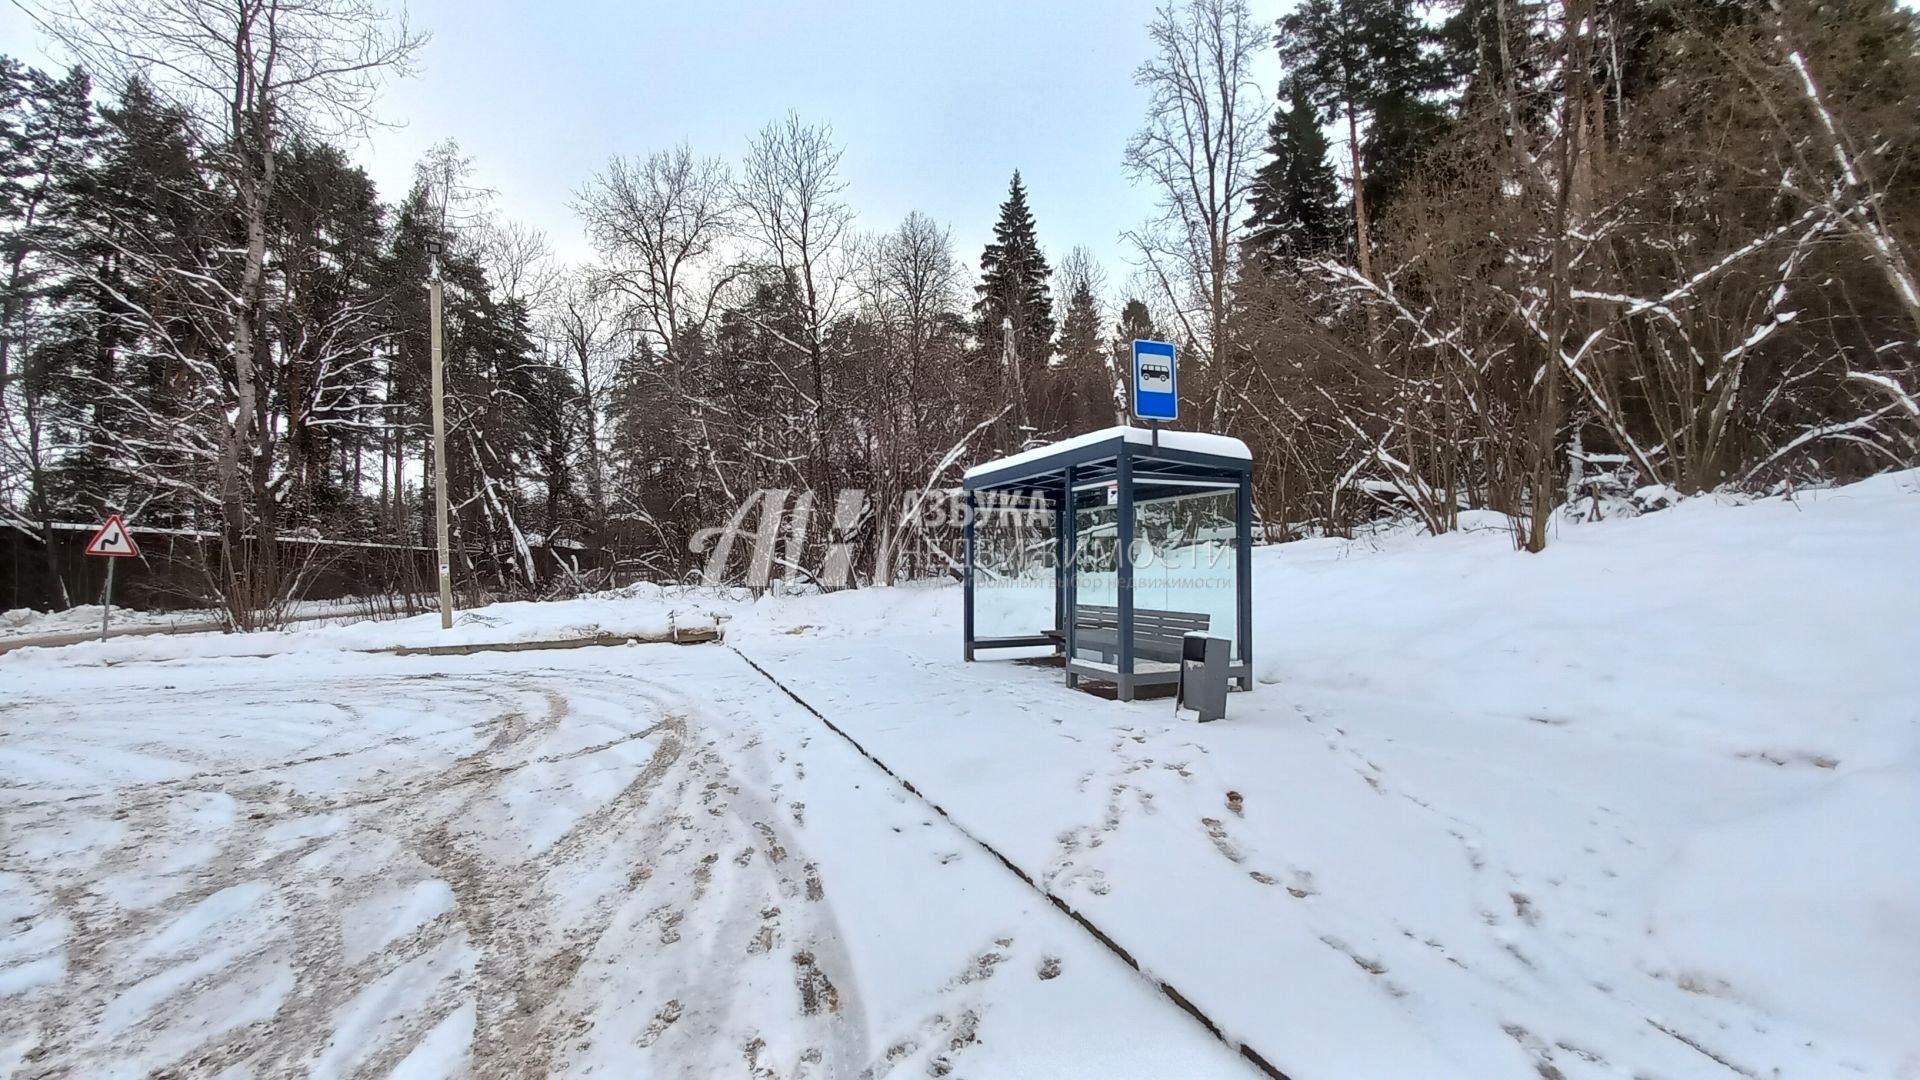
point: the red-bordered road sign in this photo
(113, 541)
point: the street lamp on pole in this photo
(445, 559)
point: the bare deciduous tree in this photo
(520, 262)
(790, 189)
(658, 222)
(1198, 151)
(587, 326)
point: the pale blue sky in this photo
(935, 102)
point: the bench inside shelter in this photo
(1158, 636)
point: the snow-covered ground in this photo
(640, 611)
(1647, 805)
(26, 622)
(615, 862)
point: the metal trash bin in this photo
(1203, 675)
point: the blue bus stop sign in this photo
(1155, 388)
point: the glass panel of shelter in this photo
(1184, 554)
(1015, 551)
(1184, 564)
(1096, 534)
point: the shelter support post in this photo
(967, 571)
(1069, 567)
(1243, 574)
(1123, 677)
(1062, 510)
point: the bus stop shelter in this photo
(1109, 548)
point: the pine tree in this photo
(326, 223)
(1295, 196)
(1367, 60)
(1013, 284)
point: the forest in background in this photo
(1520, 255)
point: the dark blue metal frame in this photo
(1124, 567)
(1128, 464)
(966, 527)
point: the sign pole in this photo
(106, 600)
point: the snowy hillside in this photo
(1643, 805)
(1629, 807)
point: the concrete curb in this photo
(698, 635)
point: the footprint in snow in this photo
(662, 1020)
(1217, 833)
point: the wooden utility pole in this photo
(440, 448)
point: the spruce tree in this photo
(327, 235)
(1080, 328)
(142, 205)
(14, 163)
(47, 133)
(1013, 284)
(1136, 324)
(1083, 363)
(1296, 196)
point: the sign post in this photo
(1156, 395)
(111, 543)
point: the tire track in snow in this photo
(513, 941)
(312, 916)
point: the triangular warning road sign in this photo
(113, 541)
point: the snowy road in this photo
(641, 861)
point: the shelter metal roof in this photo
(1188, 455)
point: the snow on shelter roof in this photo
(1192, 442)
